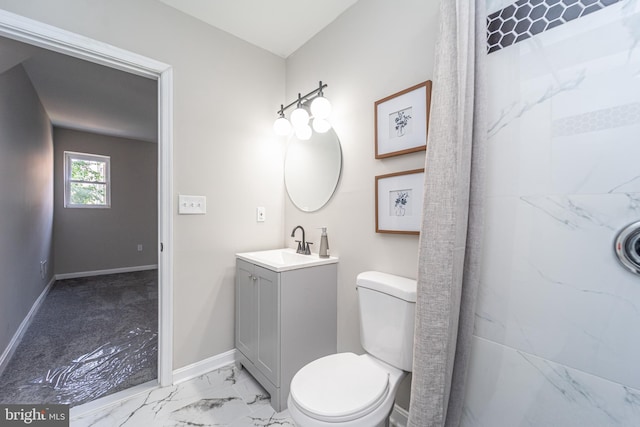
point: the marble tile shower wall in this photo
(557, 335)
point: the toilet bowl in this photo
(344, 390)
(349, 390)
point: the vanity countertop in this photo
(284, 259)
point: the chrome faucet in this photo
(303, 247)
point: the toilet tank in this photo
(387, 312)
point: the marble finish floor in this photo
(225, 397)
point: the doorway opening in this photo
(36, 34)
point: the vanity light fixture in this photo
(282, 126)
(303, 133)
(321, 125)
(314, 101)
(300, 116)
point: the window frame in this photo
(69, 156)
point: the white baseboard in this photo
(399, 417)
(202, 367)
(15, 340)
(103, 272)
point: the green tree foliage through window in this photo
(87, 180)
(91, 188)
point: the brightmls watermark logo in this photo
(34, 415)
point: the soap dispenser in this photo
(324, 244)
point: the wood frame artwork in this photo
(402, 121)
(399, 202)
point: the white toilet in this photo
(347, 390)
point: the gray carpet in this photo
(91, 337)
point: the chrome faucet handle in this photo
(301, 247)
(307, 250)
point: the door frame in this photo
(32, 32)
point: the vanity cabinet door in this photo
(267, 358)
(246, 308)
(258, 318)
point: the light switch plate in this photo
(192, 205)
(261, 214)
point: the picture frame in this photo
(402, 121)
(399, 202)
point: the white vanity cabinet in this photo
(284, 320)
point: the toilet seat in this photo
(340, 387)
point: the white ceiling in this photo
(279, 26)
(81, 95)
(85, 96)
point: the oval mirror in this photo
(312, 170)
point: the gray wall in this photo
(101, 239)
(26, 199)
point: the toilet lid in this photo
(340, 387)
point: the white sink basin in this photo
(284, 259)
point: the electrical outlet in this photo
(139, 247)
(43, 269)
(261, 214)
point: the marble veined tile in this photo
(220, 408)
(600, 162)
(265, 417)
(509, 388)
(594, 128)
(552, 286)
(543, 91)
(253, 394)
(224, 397)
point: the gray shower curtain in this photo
(451, 233)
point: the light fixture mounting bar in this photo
(302, 98)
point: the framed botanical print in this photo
(399, 202)
(402, 121)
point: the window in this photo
(86, 180)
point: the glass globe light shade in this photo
(299, 118)
(303, 133)
(321, 107)
(281, 126)
(321, 125)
